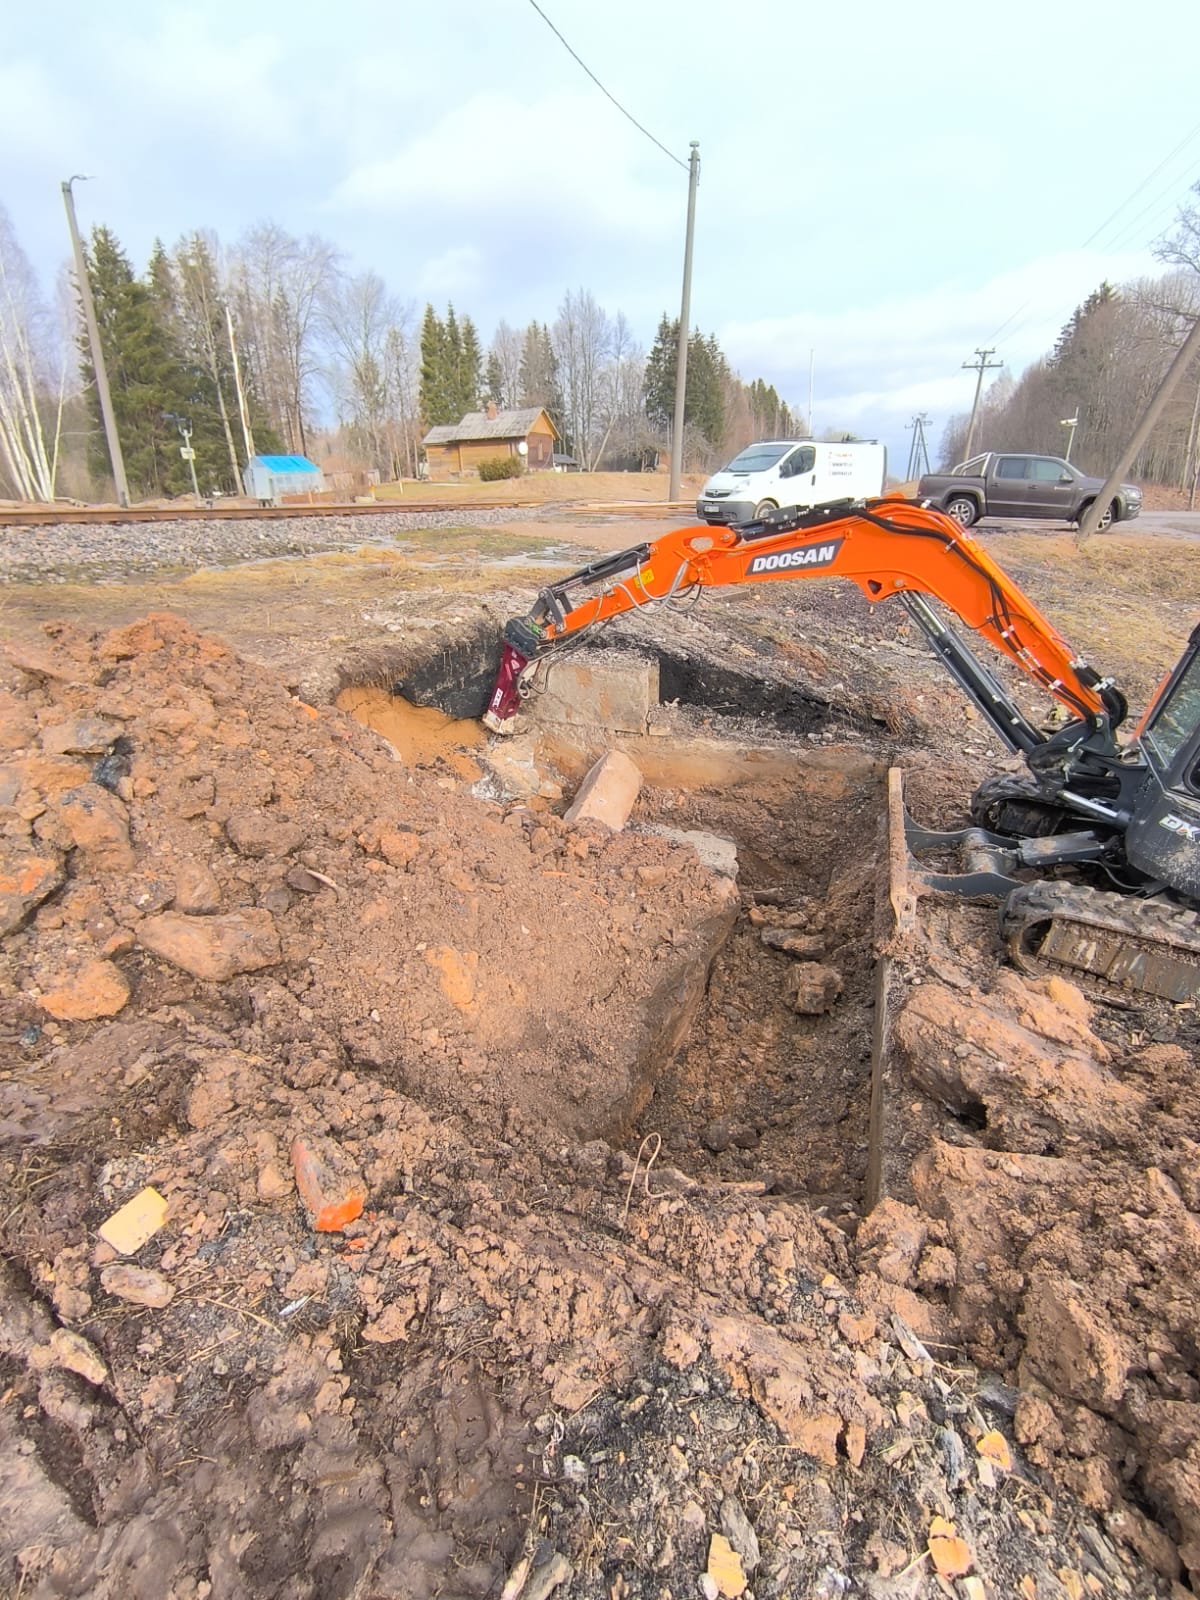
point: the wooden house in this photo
(455, 449)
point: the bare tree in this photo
(24, 374)
(281, 287)
(401, 366)
(357, 315)
(504, 364)
(582, 338)
(202, 315)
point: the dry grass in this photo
(547, 488)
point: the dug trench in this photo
(259, 962)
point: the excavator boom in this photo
(890, 548)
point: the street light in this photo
(185, 449)
(1072, 423)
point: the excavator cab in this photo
(1162, 838)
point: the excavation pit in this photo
(720, 1053)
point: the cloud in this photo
(875, 362)
(206, 81)
(456, 272)
(559, 163)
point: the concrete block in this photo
(716, 851)
(608, 792)
(606, 691)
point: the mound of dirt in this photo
(412, 1323)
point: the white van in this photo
(790, 473)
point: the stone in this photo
(332, 1192)
(40, 662)
(717, 1136)
(18, 726)
(1072, 1345)
(259, 836)
(856, 1330)
(81, 735)
(139, 1285)
(26, 879)
(608, 792)
(600, 690)
(99, 826)
(72, 1351)
(137, 1221)
(197, 892)
(812, 989)
(213, 948)
(804, 946)
(736, 1527)
(96, 989)
(399, 846)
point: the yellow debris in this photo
(951, 1555)
(994, 1448)
(138, 1219)
(725, 1567)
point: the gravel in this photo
(109, 552)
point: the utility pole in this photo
(812, 356)
(685, 318)
(243, 409)
(93, 333)
(1183, 359)
(1071, 422)
(980, 365)
(919, 451)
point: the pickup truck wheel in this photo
(764, 509)
(1106, 521)
(963, 509)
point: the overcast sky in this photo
(887, 185)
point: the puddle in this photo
(421, 734)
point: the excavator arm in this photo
(892, 548)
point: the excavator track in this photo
(1134, 946)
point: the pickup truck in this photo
(994, 485)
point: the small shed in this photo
(270, 478)
(454, 449)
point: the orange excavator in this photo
(1094, 851)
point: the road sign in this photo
(186, 451)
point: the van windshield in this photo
(758, 457)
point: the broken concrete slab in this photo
(608, 792)
(598, 690)
(716, 851)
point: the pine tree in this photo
(146, 374)
(539, 373)
(707, 376)
(495, 380)
(436, 403)
(470, 364)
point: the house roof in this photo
(478, 425)
(286, 463)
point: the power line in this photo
(1148, 179)
(628, 114)
(1123, 231)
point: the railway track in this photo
(53, 516)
